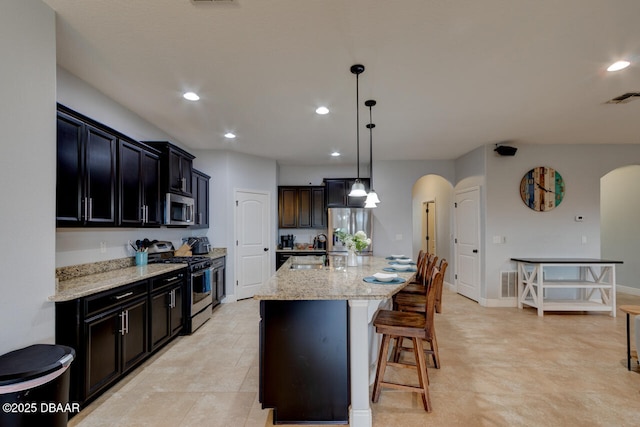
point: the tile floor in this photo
(500, 367)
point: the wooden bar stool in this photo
(442, 268)
(421, 304)
(400, 325)
(423, 277)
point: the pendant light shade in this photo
(369, 203)
(372, 197)
(357, 190)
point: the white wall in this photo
(27, 171)
(394, 182)
(546, 234)
(89, 101)
(437, 189)
(620, 223)
(230, 172)
(82, 245)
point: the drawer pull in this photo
(171, 279)
(124, 295)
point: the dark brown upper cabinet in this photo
(337, 193)
(177, 168)
(301, 207)
(86, 173)
(200, 182)
(139, 201)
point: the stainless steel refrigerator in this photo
(349, 220)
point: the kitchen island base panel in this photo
(304, 369)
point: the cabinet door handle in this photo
(173, 298)
(123, 295)
(183, 184)
(142, 214)
(146, 213)
(122, 323)
(90, 208)
(86, 208)
(126, 315)
(199, 217)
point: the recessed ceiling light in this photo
(230, 135)
(335, 154)
(191, 96)
(322, 110)
(617, 66)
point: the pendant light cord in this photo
(358, 125)
(370, 149)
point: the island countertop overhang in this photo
(329, 283)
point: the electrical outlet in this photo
(103, 247)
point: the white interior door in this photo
(467, 217)
(252, 242)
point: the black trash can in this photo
(34, 386)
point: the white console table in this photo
(594, 275)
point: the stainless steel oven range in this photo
(199, 296)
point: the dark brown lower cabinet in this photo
(304, 361)
(167, 312)
(116, 341)
(218, 280)
(115, 330)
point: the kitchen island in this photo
(315, 339)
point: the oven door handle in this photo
(198, 274)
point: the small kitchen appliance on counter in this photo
(287, 241)
(199, 245)
(320, 242)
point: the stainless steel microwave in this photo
(178, 210)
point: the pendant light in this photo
(357, 190)
(372, 197)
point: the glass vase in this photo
(352, 259)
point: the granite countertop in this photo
(217, 253)
(86, 279)
(93, 283)
(329, 283)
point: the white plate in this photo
(403, 260)
(397, 256)
(385, 277)
(402, 266)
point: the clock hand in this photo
(541, 187)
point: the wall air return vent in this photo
(624, 98)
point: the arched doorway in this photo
(435, 193)
(620, 223)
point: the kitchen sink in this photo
(306, 266)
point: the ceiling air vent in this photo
(624, 98)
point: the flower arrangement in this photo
(353, 242)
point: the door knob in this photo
(475, 251)
(266, 249)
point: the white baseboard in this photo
(628, 290)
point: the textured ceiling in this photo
(448, 76)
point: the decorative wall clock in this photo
(542, 188)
